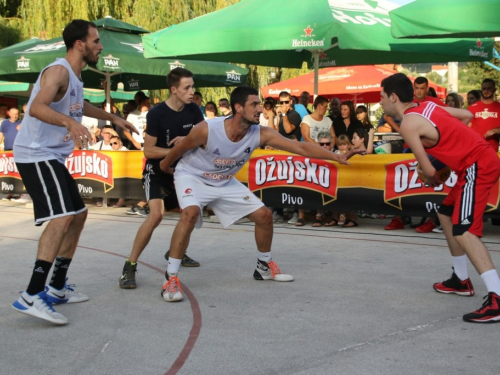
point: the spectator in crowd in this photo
(9, 129)
(210, 110)
(421, 88)
(311, 127)
(92, 124)
(289, 119)
(362, 115)
(288, 125)
(432, 92)
(452, 100)
(3, 112)
(473, 96)
(335, 110)
(361, 140)
(198, 100)
(224, 107)
(349, 121)
(299, 108)
(106, 133)
(139, 121)
(117, 144)
(114, 110)
(268, 117)
(387, 124)
(304, 99)
(486, 112)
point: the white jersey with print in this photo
(138, 119)
(38, 141)
(222, 158)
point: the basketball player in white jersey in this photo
(51, 129)
(212, 154)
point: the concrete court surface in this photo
(362, 303)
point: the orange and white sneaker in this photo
(270, 271)
(171, 291)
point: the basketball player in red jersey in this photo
(442, 132)
(486, 114)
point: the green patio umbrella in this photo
(23, 91)
(121, 60)
(446, 19)
(286, 33)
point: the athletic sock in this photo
(492, 281)
(173, 265)
(39, 277)
(265, 257)
(61, 266)
(460, 266)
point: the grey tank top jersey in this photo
(39, 141)
(222, 158)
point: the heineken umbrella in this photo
(446, 19)
(121, 60)
(288, 32)
(22, 90)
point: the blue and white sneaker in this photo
(39, 307)
(65, 295)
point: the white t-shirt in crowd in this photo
(316, 127)
(138, 119)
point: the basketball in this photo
(443, 172)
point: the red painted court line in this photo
(195, 308)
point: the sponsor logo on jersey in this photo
(216, 152)
(72, 93)
(188, 191)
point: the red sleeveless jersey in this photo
(458, 146)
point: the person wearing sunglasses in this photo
(106, 134)
(289, 119)
(117, 144)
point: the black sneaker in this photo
(127, 279)
(488, 313)
(455, 286)
(186, 261)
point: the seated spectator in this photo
(473, 96)
(210, 110)
(362, 115)
(387, 124)
(106, 133)
(198, 100)
(117, 144)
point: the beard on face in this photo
(89, 58)
(250, 120)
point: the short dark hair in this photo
(400, 85)
(489, 80)
(240, 96)
(210, 102)
(362, 134)
(175, 76)
(421, 80)
(431, 91)
(143, 99)
(198, 93)
(284, 94)
(320, 100)
(76, 30)
(475, 93)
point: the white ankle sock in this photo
(265, 257)
(492, 281)
(460, 266)
(173, 265)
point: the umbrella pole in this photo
(316, 69)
